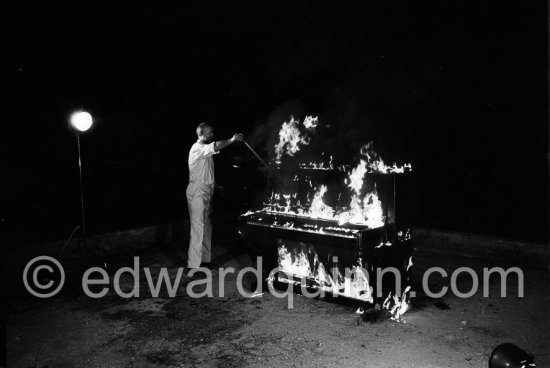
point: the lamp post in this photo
(80, 122)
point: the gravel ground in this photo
(73, 330)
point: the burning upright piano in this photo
(329, 226)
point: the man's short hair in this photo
(202, 127)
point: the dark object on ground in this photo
(510, 356)
(442, 305)
(375, 314)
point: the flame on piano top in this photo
(293, 135)
(363, 208)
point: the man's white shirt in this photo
(201, 163)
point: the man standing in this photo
(199, 193)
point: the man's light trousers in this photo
(199, 201)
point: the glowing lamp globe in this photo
(81, 121)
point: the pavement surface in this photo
(74, 330)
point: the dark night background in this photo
(459, 89)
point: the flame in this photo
(318, 208)
(359, 284)
(310, 122)
(372, 211)
(367, 210)
(354, 284)
(377, 167)
(291, 137)
(375, 163)
(321, 165)
(363, 209)
(404, 236)
(356, 177)
(361, 212)
(410, 263)
(397, 306)
(287, 199)
(299, 267)
(321, 276)
(381, 168)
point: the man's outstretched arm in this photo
(219, 145)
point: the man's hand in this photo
(238, 137)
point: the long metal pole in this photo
(81, 189)
(255, 154)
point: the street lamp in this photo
(79, 123)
